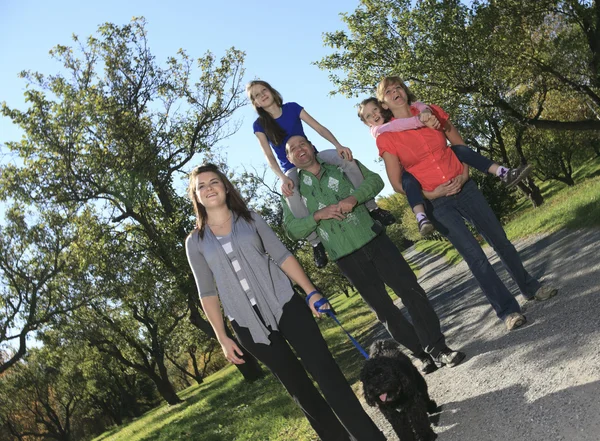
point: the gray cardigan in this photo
(259, 252)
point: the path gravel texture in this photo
(538, 383)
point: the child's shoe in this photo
(516, 175)
(384, 217)
(426, 227)
(320, 256)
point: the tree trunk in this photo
(184, 379)
(530, 189)
(166, 390)
(566, 180)
(197, 374)
(567, 169)
(129, 401)
(109, 410)
(117, 418)
(532, 192)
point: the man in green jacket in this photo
(364, 253)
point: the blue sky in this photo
(281, 40)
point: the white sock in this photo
(501, 171)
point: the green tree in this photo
(193, 354)
(41, 276)
(137, 307)
(555, 153)
(116, 131)
(489, 63)
(405, 231)
(42, 398)
(455, 53)
(111, 391)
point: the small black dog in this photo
(393, 383)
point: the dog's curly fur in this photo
(393, 384)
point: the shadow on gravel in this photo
(549, 420)
(556, 258)
(421, 260)
(547, 332)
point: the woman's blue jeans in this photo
(449, 215)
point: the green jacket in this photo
(339, 238)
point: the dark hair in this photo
(274, 131)
(234, 199)
(385, 113)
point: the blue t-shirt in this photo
(292, 124)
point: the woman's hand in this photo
(440, 191)
(345, 153)
(311, 304)
(456, 185)
(449, 188)
(287, 186)
(231, 350)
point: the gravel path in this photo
(538, 383)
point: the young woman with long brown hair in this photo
(240, 264)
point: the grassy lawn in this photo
(225, 408)
(564, 207)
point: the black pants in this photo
(298, 327)
(380, 263)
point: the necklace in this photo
(218, 225)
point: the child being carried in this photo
(373, 115)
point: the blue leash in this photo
(322, 302)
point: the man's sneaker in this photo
(320, 256)
(514, 320)
(545, 292)
(515, 175)
(426, 227)
(427, 364)
(383, 216)
(448, 357)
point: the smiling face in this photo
(394, 97)
(210, 190)
(300, 152)
(261, 96)
(371, 114)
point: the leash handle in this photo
(320, 303)
(316, 291)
